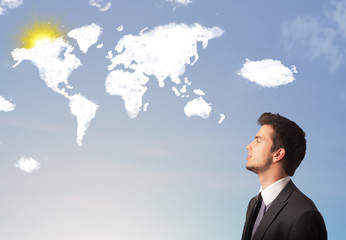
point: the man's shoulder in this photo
(299, 211)
(300, 201)
(308, 222)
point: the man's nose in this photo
(248, 147)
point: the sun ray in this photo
(39, 32)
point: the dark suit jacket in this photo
(291, 216)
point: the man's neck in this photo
(268, 178)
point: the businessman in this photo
(280, 211)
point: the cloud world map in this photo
(163, 52)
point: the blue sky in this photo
(162, 174)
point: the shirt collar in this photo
(273, 190)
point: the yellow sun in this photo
(40, 32)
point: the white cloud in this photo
(197, 107)
(267, 72)
(176, 91)
(5, 105)
(86, 36)
(27, 164)
(186, 81)
(53, 69)
(85, 111)
(100, 5)
(120, 28)
(145, 107)
(9, 4)
(319, 38)
(183, 89)
(180, 2)
(162, 52)
(100, 45)
(109, 54)
(130, 86)
(222, 117)
(198, 92)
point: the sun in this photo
(40, 32)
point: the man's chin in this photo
(252, 169)
(259, 169)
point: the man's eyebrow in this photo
(258, 137)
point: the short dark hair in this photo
(287, 135)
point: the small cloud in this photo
(197, 107)
(181, 92)
(178, 3)
(267, 72)
(198, 92)
(109, 54)
(176, 91)
(183, 89)
(86, 36)
(186, 81)
(9, 4)
(145, 107)
(100, 45)
(222, 117)
(5, 105)
(100, 5)
(120, 28)
(27, 164)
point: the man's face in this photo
(260, 155)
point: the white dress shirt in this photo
(273, 190)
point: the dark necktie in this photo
(253, 216)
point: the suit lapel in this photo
(268, 218)
(278, 204)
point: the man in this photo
(280, 211)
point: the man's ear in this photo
(279, 154)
